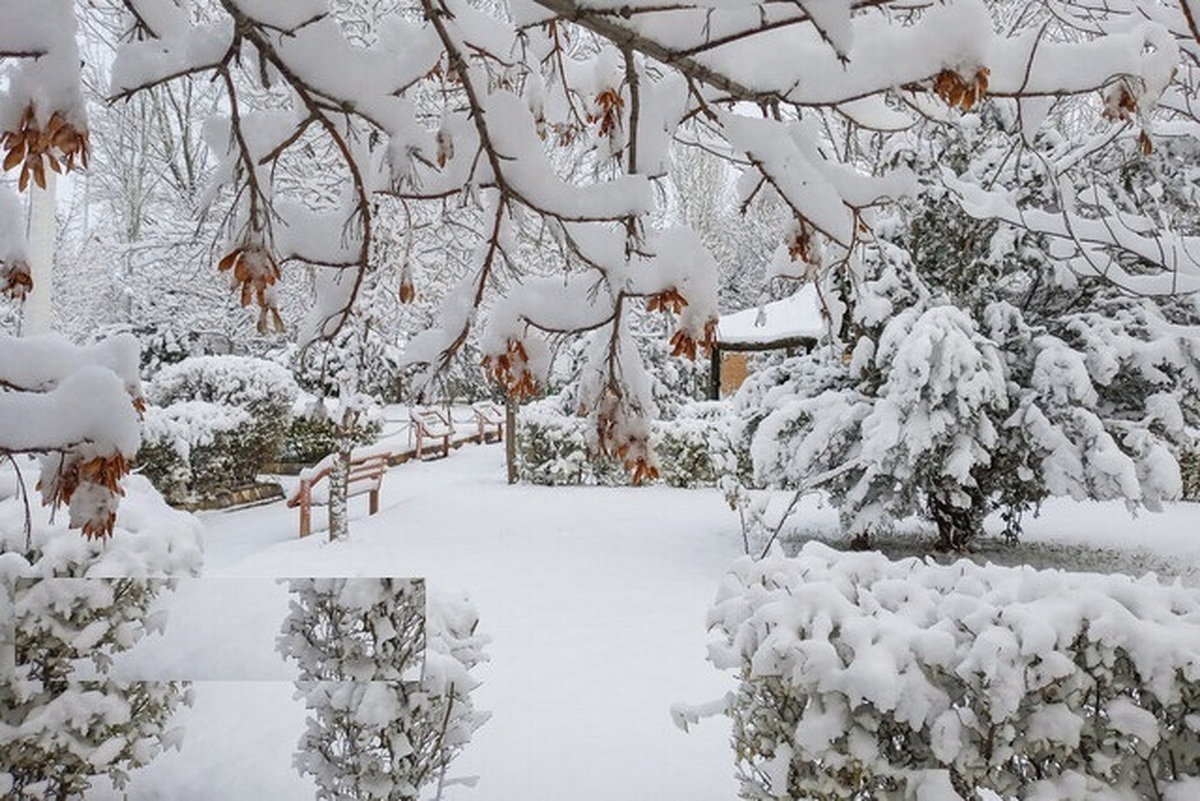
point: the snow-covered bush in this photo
(218, 420)
(861, 677)
(387, 681)
(1189, 473)
(695, 449)
(311, 436)
(194, 449)
(72, 604)
(943, 408)
(552, 449)
(263, 388)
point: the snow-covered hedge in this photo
(310, 437)
(194, 448)
(864, 677)
(552, 449)
(261, 387)
(694, 449)
(216, 422)
(73, 603)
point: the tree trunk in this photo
(43, 230)
(510, 441)
(339, 477)
(957, 526)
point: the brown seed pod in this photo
(31, 147)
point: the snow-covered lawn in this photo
(595, 600)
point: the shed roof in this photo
(794, 321)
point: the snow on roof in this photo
(776, 323)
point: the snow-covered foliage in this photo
(194, 449)
(695, 448)
(262, 388)
(217, 421)
(77, 408)
(71, 604)
(312, 434)
(860, 676)
(387, 682)
(487, 128)
(968, 378)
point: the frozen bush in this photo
(311, 437)
(552, 449)
(1189, 471)
(195, 449)
(862, 677)
(694, 450)
(220, 419)
(263, 388)
(72, 604)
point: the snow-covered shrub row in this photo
(867, 678)
(312, 433)
(263, 388)
(552, 449)
(694, 449)
(192, 448)
(387, 681)
(72, 604)
(218, 420)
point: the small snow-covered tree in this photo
(387, 683)
(70, 605)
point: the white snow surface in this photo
(594, 600)
(798, 315)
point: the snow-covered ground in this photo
(595, 600)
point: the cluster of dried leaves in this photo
(408, 292)
(607, 111)
(668, 301)
(15, 280)
(1121, 105)
(104, 472)
(253, 271)
(961, 92)
(60, 144)
(684, 344)
(615, 441)
(802, 246)
(510, 371)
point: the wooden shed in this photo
(794, 323)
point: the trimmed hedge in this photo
(866, 678)
(217, 421)
(196, 449)
(307, 439)
(1189, 471)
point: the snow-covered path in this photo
(595, 600)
